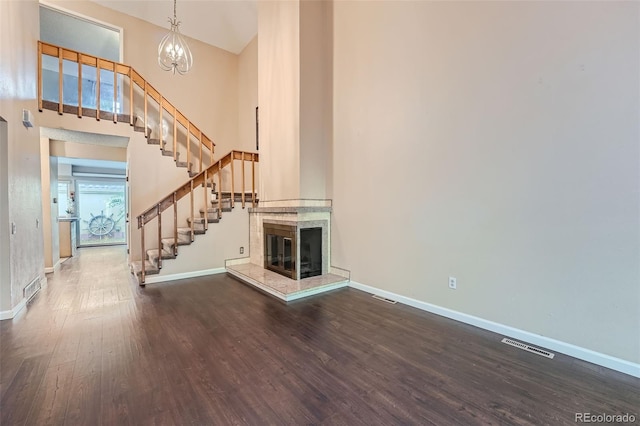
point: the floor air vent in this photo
(384, 299)
(528, 348)
(31, 289)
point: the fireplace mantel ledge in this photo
(292, 210)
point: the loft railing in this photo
(205, 179)
(86, 98)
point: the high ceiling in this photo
(227, 24)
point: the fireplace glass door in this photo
(280, 250)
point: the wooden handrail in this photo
(62, 54)
(200, 179)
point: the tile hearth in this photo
(282, 287)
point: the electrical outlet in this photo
(453, 283)
(241, 250)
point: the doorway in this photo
(102, 212)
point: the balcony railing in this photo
(88, 86)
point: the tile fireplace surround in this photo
(299, 214)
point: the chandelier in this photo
(173, 52)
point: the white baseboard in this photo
(584, 354)
(10, 314)
(152, 279)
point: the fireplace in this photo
(294, 250)
(290, 250)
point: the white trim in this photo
(151, 279)
(624, 366)
(5, 315)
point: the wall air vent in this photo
(528, 348)
(31, 289)
(384, 299)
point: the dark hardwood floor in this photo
(94, 348)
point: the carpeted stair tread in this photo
(149, 268)
(196, 220)
(141, 129)
(212, 215)
(198, 225)
(226, 205)
(152, 255)
(167, 243)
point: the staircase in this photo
(163, 125)
(187, 235)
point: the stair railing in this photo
(206, 180)
(66, 58)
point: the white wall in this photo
(18, 37)
(496, 142)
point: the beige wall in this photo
(85, 150)
(316, 53)
(247, 96)
(497, 143)
(18, 36)
(279, 98)
(295, 84)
